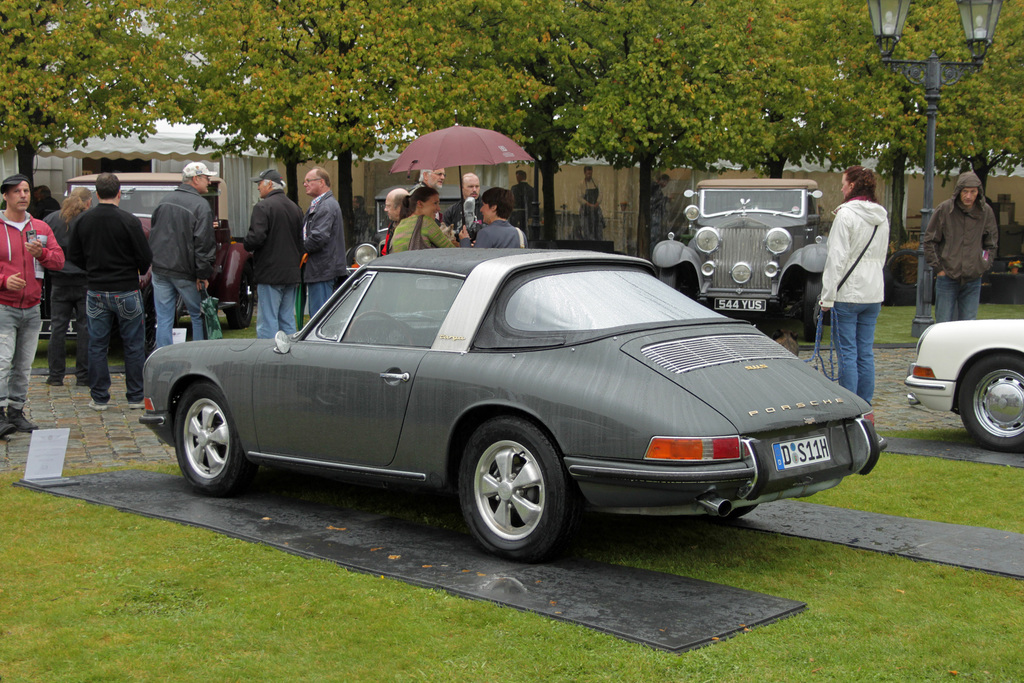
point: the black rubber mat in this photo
(954, 451)
(664, 611)
(987, 550)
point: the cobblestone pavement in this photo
(115, 438)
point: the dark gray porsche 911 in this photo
(533, 384)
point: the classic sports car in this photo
(974, 368)
(530, 383)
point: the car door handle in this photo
(394, 377)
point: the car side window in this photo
(402, 309)
(334, 325)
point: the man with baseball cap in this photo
(960, 244)
(26, 247)
(184, 249)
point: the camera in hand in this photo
(30, 234)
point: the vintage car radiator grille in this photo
(742, 244)
(685, 355)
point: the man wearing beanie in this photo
(960, 244)
(26, 247)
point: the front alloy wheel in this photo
(207, 445)
(991, 403)
(515, 494)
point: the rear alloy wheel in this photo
(991, 403)
(206, 444)
(240, 315)
(515, 493)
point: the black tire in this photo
(240, 315)
(517, 497)
(991, 402)
(812, 292)
(206, 443)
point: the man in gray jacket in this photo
(184, 249)
(323, 237)
(275, 240)
(960, 244)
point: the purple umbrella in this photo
(459, 146)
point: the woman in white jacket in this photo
(852, 282)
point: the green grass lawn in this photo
(90, 593)
(894, 323)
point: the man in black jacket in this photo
(109, 244)
(184, 248)
(275, 240)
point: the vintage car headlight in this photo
(740, 273)
(771, 269)
(778, 240)
(707, 269)
(707, 239)
(364, 253)
(691, 212)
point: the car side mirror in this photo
(282, 342)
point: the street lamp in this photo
(887, 18)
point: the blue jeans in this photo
(956, 301)
(275, 310)
(318, 293)
(853, 328)
(165, 299)
(103, 308)
(65, 300)
(19, 337)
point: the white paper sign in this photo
(46, 453)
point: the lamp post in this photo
(979, 18)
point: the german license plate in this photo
(740, 305)
(800, 452)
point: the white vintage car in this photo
(974, 368)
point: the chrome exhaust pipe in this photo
(913, 400)
(714, 504)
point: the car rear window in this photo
(593, 300)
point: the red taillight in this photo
(870, 417)
(672, 448)
(920, 371)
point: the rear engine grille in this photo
(742, 244)
(685, 355)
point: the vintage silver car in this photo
(755, 249)
(533, 384)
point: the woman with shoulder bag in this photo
(417, 228)
(852, 285)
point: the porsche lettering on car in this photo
(531, 384)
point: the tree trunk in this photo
(548, 170)
(343, 193)
(291, 179)
(27, 161)
(643, 213)
(776, 166)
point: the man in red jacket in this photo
(26, 247)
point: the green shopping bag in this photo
(211, 319)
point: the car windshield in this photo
(597, 300)
(140, 200)
(718, 202)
